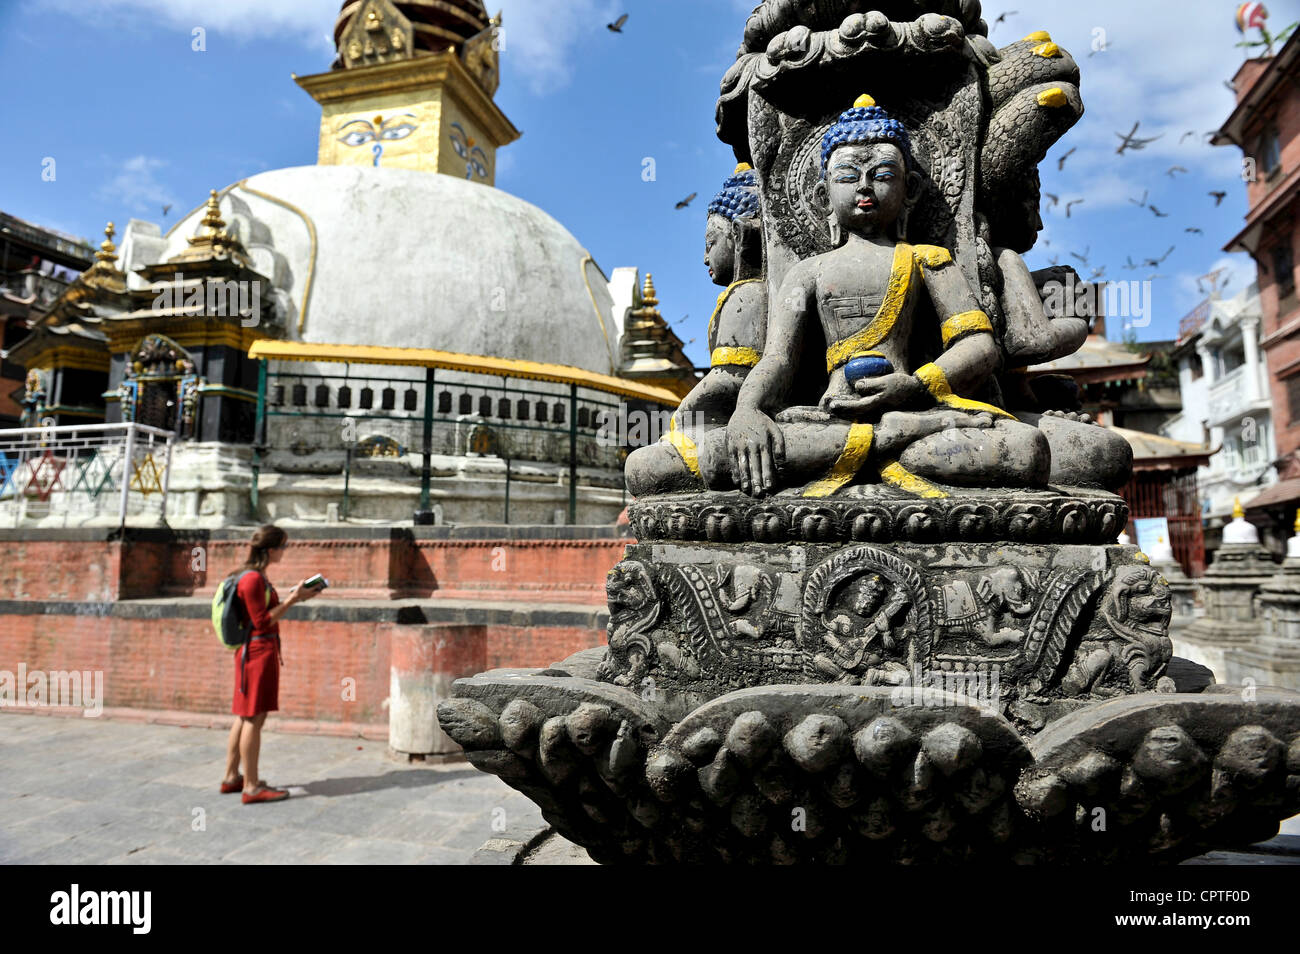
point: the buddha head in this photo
(869, 180)
(733, 245)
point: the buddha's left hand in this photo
(877, 395)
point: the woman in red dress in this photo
(257, 678)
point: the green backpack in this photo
(228, 617)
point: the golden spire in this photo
(1297, 521)
(212, 220)
(1237, 510)
(107, 250)
(213, 240)
(648, 299)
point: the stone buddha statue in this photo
(692, 455)
(909, 351)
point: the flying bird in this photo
(1131, 266)
(1072, 204)
(1084, 257)
(1183, 138)
(1194, 231)
(166, 208)
(1054, 260)
(1173, 170)
(1131, 142)
(1143, 203)
(687, 201)
(1218, 198)
(1055, 200)
(1156, 262)
(1060, 163)
(1002, 19)
(1157, 213)
(617, 25)
(1097, 273)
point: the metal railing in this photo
(84, 472)
(438, 417)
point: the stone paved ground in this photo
(86, 791)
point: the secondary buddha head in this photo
(732, 239)
(868, 180)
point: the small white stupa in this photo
(1240, 530)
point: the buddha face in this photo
(866, 187)
(720, 250)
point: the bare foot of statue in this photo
(898, 430)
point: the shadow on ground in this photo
(357, 784)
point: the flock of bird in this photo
(1129, 142)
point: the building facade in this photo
(1224, 382)
(1265, 126)
(36, 266)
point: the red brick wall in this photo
(518, 647)
(553, 571)
(178, 664)
(81, 571)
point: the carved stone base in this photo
(969, 691)
(1048, 625)
(872, 775)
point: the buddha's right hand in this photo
(756, 445)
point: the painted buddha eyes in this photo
(851, 174)
(361, 131)
(474, 156)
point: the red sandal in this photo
(229, 788)
(265, 795)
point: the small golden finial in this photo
(863, 101)
(1237, 510)
(107, 250)
(1297, 521)
(212, 220)
(648, 299)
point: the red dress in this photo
(263, 670)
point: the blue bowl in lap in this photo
(870, 366)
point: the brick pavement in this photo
(92, 791)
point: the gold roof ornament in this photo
(650, 351)
(107, 250)
(213, 241)
(1297, 522)
(648, 299)
(1238, 512)
(103, 276)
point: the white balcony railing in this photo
(84, 474)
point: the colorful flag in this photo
(1251, 16)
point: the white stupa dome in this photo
(1241, 530)
(411, 259)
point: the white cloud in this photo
(310, 21)
(136, 186)
(543, 37)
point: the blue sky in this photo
(136, 119)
